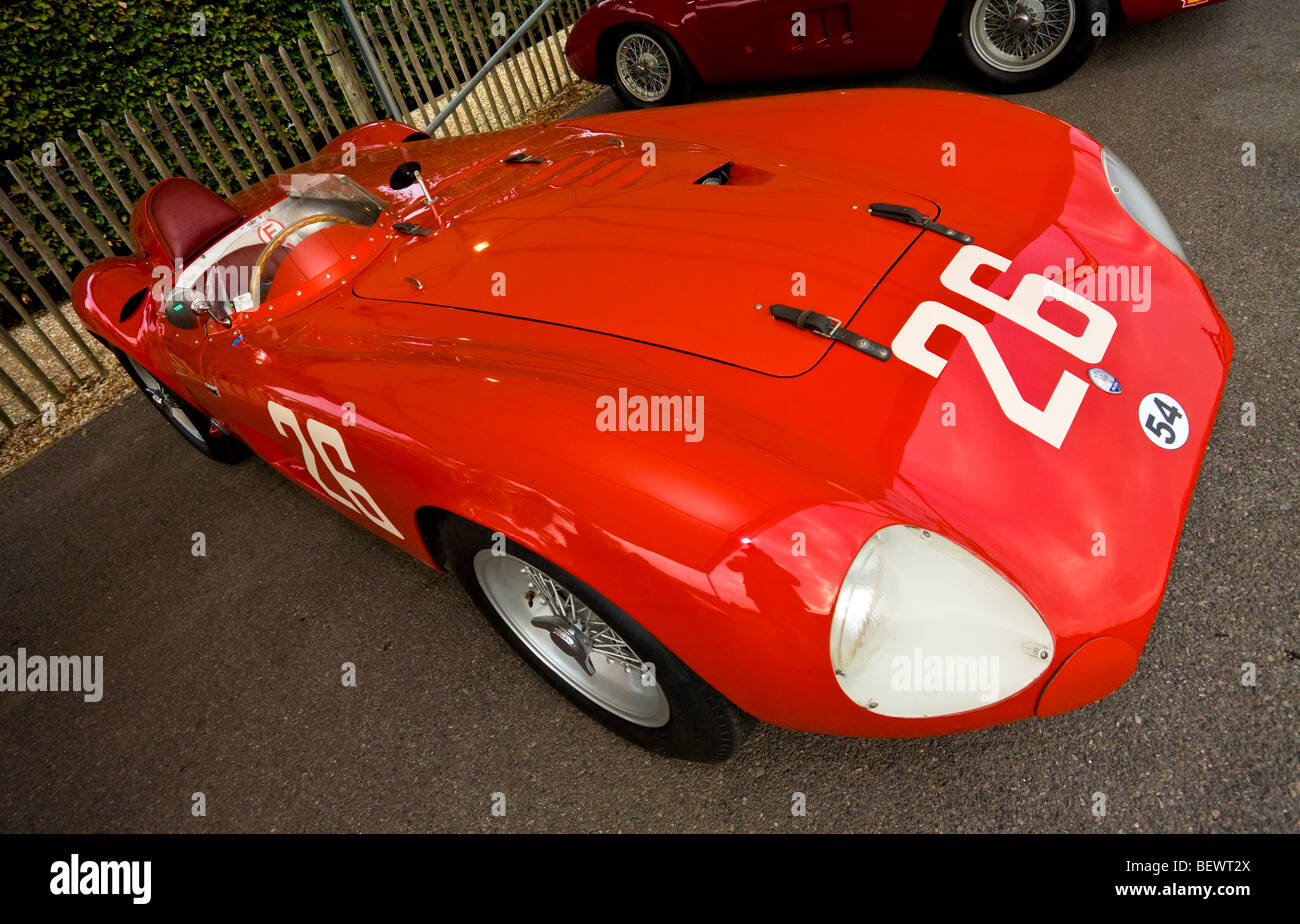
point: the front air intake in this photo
(718, 176)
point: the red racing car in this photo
(654, 52)
(716, 420)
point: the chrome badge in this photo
(1105, 381)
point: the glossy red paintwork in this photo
(620, 276)
(1093, 671)
(748, 40)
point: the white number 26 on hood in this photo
(1050, 423)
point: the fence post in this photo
(343, 67)
(372, 63)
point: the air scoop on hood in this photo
(663, 260)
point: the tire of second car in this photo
(1020, 45)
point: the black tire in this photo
(681, 76)
(205, 436)
(996, 67)
(702, 725)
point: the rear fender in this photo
(373, 135)
(119, 300)
(114, 298)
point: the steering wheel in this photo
(255, 282)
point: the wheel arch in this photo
(118, 301)
(429, 521)
(703, 584)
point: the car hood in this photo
(610, 232)
(603, 226)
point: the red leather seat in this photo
(184, 217)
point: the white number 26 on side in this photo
(354, 496)
(1050, 423)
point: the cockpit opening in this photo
(229, 263)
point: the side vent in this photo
(132, 305)
(826, 28)
(718, 176)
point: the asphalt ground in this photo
(223, 671)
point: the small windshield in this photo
(329, 187)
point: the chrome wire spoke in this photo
(607, 642)
(576, 611)
(546, 587)
(631, 663)
(562, 603)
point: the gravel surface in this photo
(222, 672)
(56, 418)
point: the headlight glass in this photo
(924, 628)
(1138, 203)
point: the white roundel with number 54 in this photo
(1050, 423)
(1163, 421)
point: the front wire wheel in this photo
(1021, 35)
(575, 643)
(643, 67)
(595, 654)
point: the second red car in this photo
(655, 52)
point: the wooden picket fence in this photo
(71, 202)
(424, 57)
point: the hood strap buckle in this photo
(832, 329)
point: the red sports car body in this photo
(733, 41)
(570, 342)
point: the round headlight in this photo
(924, 628)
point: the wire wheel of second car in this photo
(647, 68)
(643, 67)
(565, 633)
(1029, 44)
(1018, 35)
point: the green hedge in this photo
(64, 66)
